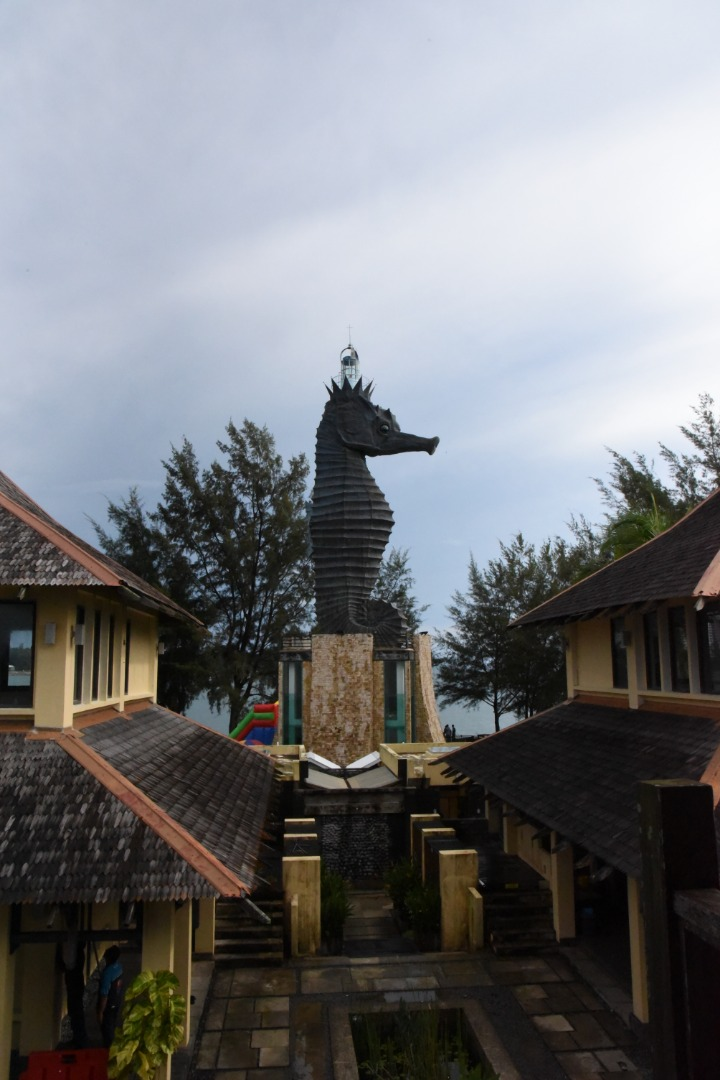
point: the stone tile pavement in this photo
(281, 1023)
(275, 1024)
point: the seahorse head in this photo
(365, 427)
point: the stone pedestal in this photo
(338, 718)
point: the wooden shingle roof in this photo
(575, 769)
(36, 550)
(684, 561)
(178, 814)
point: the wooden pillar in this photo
(638, 959)
(679, 851)
(7, 991)
(182, 966)
(562, 883)
(458, 874)
(205, 929)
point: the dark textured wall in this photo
(362, 845)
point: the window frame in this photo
(17, 696)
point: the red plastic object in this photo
(67, 1065)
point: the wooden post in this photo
(679, 851)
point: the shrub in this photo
(152, 1026)
(399, 881)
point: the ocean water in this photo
(467, 722)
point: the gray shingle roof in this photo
(64, 837)
(575, 768)
(36, 550)
(213, 786)
(677, 563)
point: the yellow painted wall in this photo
(593, 655)
(143, 656)
(54, 663)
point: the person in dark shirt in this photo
(109, 994)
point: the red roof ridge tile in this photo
(161, 823)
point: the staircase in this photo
(240, 940)
(519, 921)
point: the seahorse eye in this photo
(384, 428)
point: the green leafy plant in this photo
(399, 881)
(152, 1026)
(423, 1043)
(335, 907)
(424, 908)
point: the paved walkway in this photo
(284, 1023)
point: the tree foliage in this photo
(230, 544)
(483, 661)
(395, 584)
(521, 671)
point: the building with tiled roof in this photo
(119, 820)
(643, 703)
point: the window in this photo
(293, 701)
(111, 657)
(394, 701)
(708, 626)
(679, 661)
(79, 654)
(97, 642)
(127, 656)
(619, 654)
(652, 651)
(17, 643)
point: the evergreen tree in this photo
(481, 659)
(395, 583)
(230, 544)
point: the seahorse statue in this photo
(350, 520)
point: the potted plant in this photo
(152, 1026)
(335, 908)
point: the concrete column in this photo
(429, 834)
(476, 920)
(205, 929)
(493, 813)
(414, 820)
(158, 949)
(182, 967)
(562, 883)
(158, 946)
(510, 830)
(40, 998)
(638, 960)
(458, 874)
(7, 991)
(301, 880)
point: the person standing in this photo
(109, 994)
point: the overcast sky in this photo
(513, 204)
